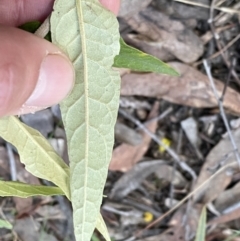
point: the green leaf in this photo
(35, 152)
(235, 234)
(135, 59)
(5, 224)
(102, 228)
(30, 26)
(23, 190)
(95, 238)
(89, 35)
(201, 230)
(128, 57)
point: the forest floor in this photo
(177, 138)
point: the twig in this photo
(223, 18)
(226, 47)
(12, 162)
(222, 112)
(222, 9)
(187, 197)
(141, 206)
(221, 169)
(209, 35)
(171, 152)
(216, 36)
(43, 30)
(160, 117)
(233, 63)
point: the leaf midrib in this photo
(86, 106)
(39, 147)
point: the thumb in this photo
(112, 5)
(34, 74)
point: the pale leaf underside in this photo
(89, 35)
(35, 152)
(102, 228)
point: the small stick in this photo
(171, 152)
(216, 36)
(220, 51)
(43, 30)
(160, 117)
(224, 168)
(223, 9)
(222, 112)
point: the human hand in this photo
(29, 80)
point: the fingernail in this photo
(55, 81)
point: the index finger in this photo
(15, 13)
(112, 5)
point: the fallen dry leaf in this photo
(184, 11)
(125, 156)
(159, 33)
(27, 229)
(219, 234)
(228, 198)
(226, 217)
(48, 237)
(50, 212)
(127, 135)
(183, 225)
(192, 88)
(129, 8)
(133, 179)
(22, 204)
(220, 156)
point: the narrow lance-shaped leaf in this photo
(23, 190)
(102, 228)
(137, 60)
(201, 229)
(5, 224)
(35, 152)
(27, 140)
(89, 34)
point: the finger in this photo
(17, 12)
(112, 5)
(33, 72)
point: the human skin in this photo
(28, 78)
